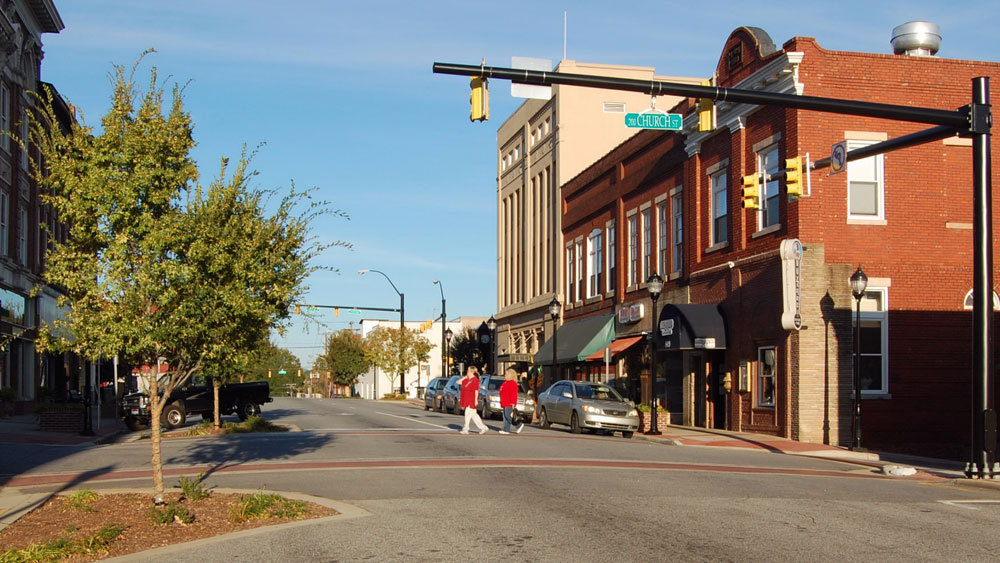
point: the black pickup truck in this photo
(196, 397)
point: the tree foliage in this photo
(344, 357)
(156, 268)
(395, 350)
(267, 363)
(466, 350)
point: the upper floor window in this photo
(4, 227)
(22, 237)
(873, 368)
(570, 274)
(24, 139)
(767, 162)
(595, 247)
(633, 250)
(580, 273)
(4, 116)
(720, 209)
(612, 264)
(678, 232)
(647, 243)
(865, 185)
(663, 249)
(969, 303)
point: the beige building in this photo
(543, 144)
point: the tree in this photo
(267, 364)
(465, 349)
(395, 350)
(147, 276)
(344, 358)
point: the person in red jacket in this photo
(508, 400)
(468, 399)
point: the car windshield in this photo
(494, 383)
(598, 392)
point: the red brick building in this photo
(670, 203)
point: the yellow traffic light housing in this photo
(706, 111)
(793, 177)
(480, 99)
(298, 309)
(751, 191)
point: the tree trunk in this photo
(155, 409)
(215, 410)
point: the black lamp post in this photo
(447, 346)
(444, 360)
(402, 327)
(554, 308)
(492, 325)
(859, 281)
(654, 285)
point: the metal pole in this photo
(444, 344)
(402, 330)
(984, 426)
(555, 345)
(653, 415)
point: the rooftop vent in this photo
(917, 39)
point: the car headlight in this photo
(530, 402)
(633, 412)
(494, 398)
(591, 410)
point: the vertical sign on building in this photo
(791, 284)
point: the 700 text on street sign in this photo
(668, 121)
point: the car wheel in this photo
(543, 419)
(246, 409)
(173, 417)
(574, 423)
(440, 406)
(627, 434)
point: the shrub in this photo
(62, 548)
(8, 395)
(194, 489)
(645, 408)
(172, 512)
(81, 501)
(260, 505)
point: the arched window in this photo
(967, 304)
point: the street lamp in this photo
(654, 285)
(402, 326)
(554, 308)
(444, 365)
(492, 325)
(859, 281)
(447, 348)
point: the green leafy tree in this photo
(395, 350)
(147, 273)
(465, 349)
(267, 364)
(344, 357)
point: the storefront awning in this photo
(578, 339)
(691, 326)
(616, 347)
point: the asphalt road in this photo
(430, 494)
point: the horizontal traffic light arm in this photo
(961, 119)
(348, 307)
(906, 141)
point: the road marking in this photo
(963, 503)
(414, 420)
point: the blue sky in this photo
(343, 97)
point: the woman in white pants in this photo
(468, 399)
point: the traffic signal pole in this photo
(974, 120)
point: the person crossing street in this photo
(469, 399)
(508, 400)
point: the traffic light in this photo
(751, 191)
(336, 311)
(706, 111)
(298, 309)
(793, 177)
(480, 98)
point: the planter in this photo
(662, 420)
(61, 419)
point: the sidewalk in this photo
(23, 429)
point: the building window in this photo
(633, 250)
(720, 209)
(4, 230)
(595, 246)
(580, 274)
(766, 382)
(663, 249)
(865, 195)
(4, 116)
(767, 162)
(968, 303)
(24, 139)
(570, 274)
(22, 237)
(612, 265)
(678, 231)
(647, 244)
(874, 338)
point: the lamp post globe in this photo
(492, 325)
(859, 282)
(654, 285)
(447, 349)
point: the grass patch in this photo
(81, 501)
(194, 489)
(62, 548)
(173, 512)
(261, 505)
(251, 424)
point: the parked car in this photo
(450, 395)
(432, 393)
(196, 397)
(489, 400)
(583, 404)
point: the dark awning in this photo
(616, 347)
(691, 326)
(578, 339)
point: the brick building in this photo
(728, 355)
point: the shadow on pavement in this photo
(237, 449)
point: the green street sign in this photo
(654, 120)
(282, 372)
(354, 311)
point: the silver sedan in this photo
(583, 404)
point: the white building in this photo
(376, 383)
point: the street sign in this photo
(354, 312)
(655, 120)
(282, 372)
(838, 157)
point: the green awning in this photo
(578, 339)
